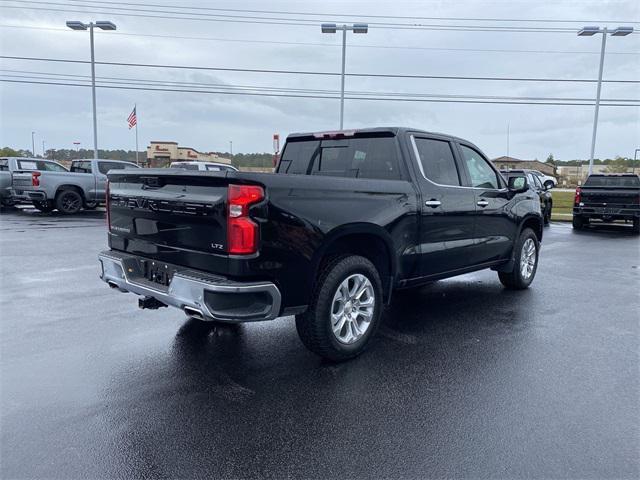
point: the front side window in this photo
(480, 172)
(4, 165)
(437, 161)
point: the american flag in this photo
(132, 120)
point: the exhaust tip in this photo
(193, 313)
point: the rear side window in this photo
(81, 167)
(4, 165)
(437, 162)
(185, 166)
(613, 181)
(104, 167)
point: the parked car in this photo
(83, 186)
(608, 197)
(11, 165)
(535, 183)
(347, 218)
(546, 180)
(204, 166)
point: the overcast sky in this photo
(61, 115)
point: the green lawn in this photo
(562, 205)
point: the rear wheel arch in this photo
(369, 241)
(534, 223)
(70, 187)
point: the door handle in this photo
(432, 203)
(482, 203)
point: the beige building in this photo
(161, 154)
(510, 163)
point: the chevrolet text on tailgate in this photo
(347, 218)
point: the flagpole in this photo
(135, 108)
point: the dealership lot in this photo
(464, 379)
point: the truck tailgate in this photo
(603, 196)
(175, 216)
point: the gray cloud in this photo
(61, 115)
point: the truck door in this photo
(495, 226)
(446, 233)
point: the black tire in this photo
(547, 213)
(315, 325)
(515, 280)
(578, 222)
(68, 202)
(44, 206)
(548, 184)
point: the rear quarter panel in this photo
(306, 213)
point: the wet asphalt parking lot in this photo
(464, 379)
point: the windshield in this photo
(613, 181)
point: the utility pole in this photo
(230, 148)
(43, 151)
(589, 32)
(33, 144)
(333, 28)
(103, 25)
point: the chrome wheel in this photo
(527, 258)
(352, 308)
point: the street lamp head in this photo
(360, 28)
(104, 25)
(588, 31)
(75, 25)
(329, 28)
(621, 31)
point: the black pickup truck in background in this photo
(347, 218)
(608, 197)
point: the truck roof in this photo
(365, 131)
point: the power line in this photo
(314, 44)
(280, 20)
(320, 96)
(203, 85)
(320, 73)
(341, 15)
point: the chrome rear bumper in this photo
(198, 294)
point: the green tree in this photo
(9, 152)
(617, 165)
(550, 160)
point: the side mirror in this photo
(518, 184)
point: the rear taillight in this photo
(107, 205)
(35, 179)
(576, 200)
(242, 232)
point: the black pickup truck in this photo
(608, 197)
(348, 217)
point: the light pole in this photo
(43, 156)
(33, 144)
(589, 32)
(231, 147)
(635, 158)
(333, 28)
(103, 25)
